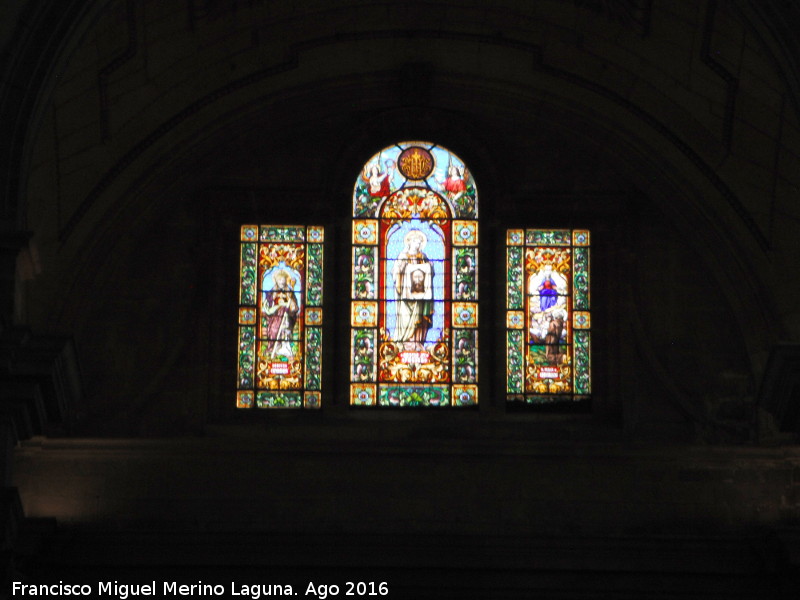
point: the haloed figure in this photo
(280, 310)
(413, 282)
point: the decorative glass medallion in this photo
(415, 163)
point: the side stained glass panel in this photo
(414, 303)
(280, 317)
(548, 316)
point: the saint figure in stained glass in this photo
(280, 309)
(550, 287)
(413, 275)
(556, 334)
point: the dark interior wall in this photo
(668, 129)
(167, 119)
(422, 477)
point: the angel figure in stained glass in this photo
(378, 180)
(455, 184)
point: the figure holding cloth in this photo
(413, 282)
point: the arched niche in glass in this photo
(280, 317)
(548, 318)
(414, 295)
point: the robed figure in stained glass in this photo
(548, 290)
(280, 309)
(548, 285)
(455, 183)
(413, 281)
(552, 339)
(379, 179)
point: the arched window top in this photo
(443, 186)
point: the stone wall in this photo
(403, 479)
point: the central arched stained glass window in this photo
(414, 309)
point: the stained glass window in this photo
(280, 317)
(414, 308)
(548, 317)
